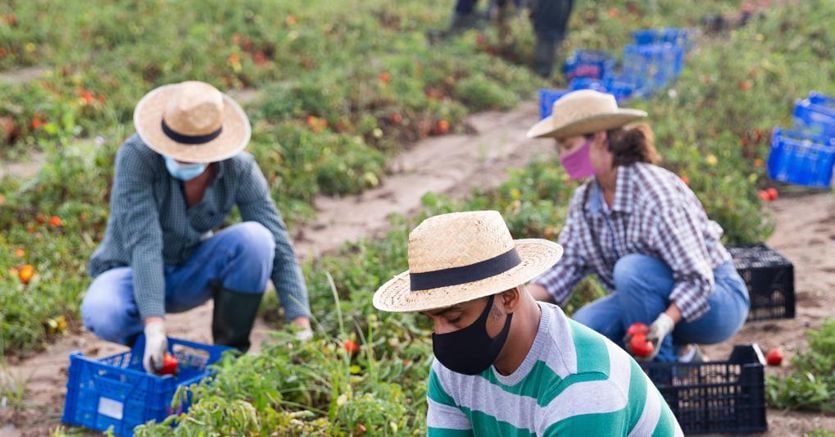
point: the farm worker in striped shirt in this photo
(504, 363)
(177, 180)
(642, 231)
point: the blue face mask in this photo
(184, 172)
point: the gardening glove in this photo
(305, 334)
(156, 344)
(660, 328)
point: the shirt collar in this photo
(623, 190)
(623, 193)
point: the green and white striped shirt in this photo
(573, 381)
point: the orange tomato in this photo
(55, 221)
(25, 273)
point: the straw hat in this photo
(462, 256)
(584, 112)
(191, 122)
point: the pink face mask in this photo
(578, 163)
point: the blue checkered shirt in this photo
(653, 213)
(150, 225)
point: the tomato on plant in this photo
(55, 221)
(351, 347)
(772, 193)
(774, 357)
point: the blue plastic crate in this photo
(672, 35)
(592, 64)
(617, 86)
(117, 392)
(655, 65)
(801, 158)
(585, 83)
(547, 97)
(622, 87)
(816, 113)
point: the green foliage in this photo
(811, 383)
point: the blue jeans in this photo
(642, 288)
(238, 258)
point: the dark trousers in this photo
(548, 17)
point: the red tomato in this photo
(763, 195)
(772, 193)
(637, 328)
(774, 357)
(351, 347)
(169, 365)
(640, 346)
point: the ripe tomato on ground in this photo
(774, 357)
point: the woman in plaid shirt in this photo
(641, 230)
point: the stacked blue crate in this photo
(654, 61)
(805, 155)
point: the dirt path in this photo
(806, 236)
(452, 164)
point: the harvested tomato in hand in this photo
(169, 365)
(640, 346)
(774, 357)
(636, 329)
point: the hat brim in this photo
(147, 118)
(595, 123)
(537, 257)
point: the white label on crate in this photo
(111, 408)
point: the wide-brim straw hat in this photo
(584, 112)
(192, 122)
(459, 257)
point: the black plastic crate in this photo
(718, 396)
(770, 280)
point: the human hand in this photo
(156, 344)
(304, 332)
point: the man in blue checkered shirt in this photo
(642, 231)
(177, 179)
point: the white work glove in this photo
(305, 334)
(156, 344)
(660, 328)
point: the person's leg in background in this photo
(729, 306)
(604, 315)
(232, 267)
(465, 16)
(109, 309)
(549, 19)
(643, 285)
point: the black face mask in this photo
(470, 350)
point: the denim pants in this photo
(642, 288)
(238, 258)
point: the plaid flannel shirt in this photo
(654, 213)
